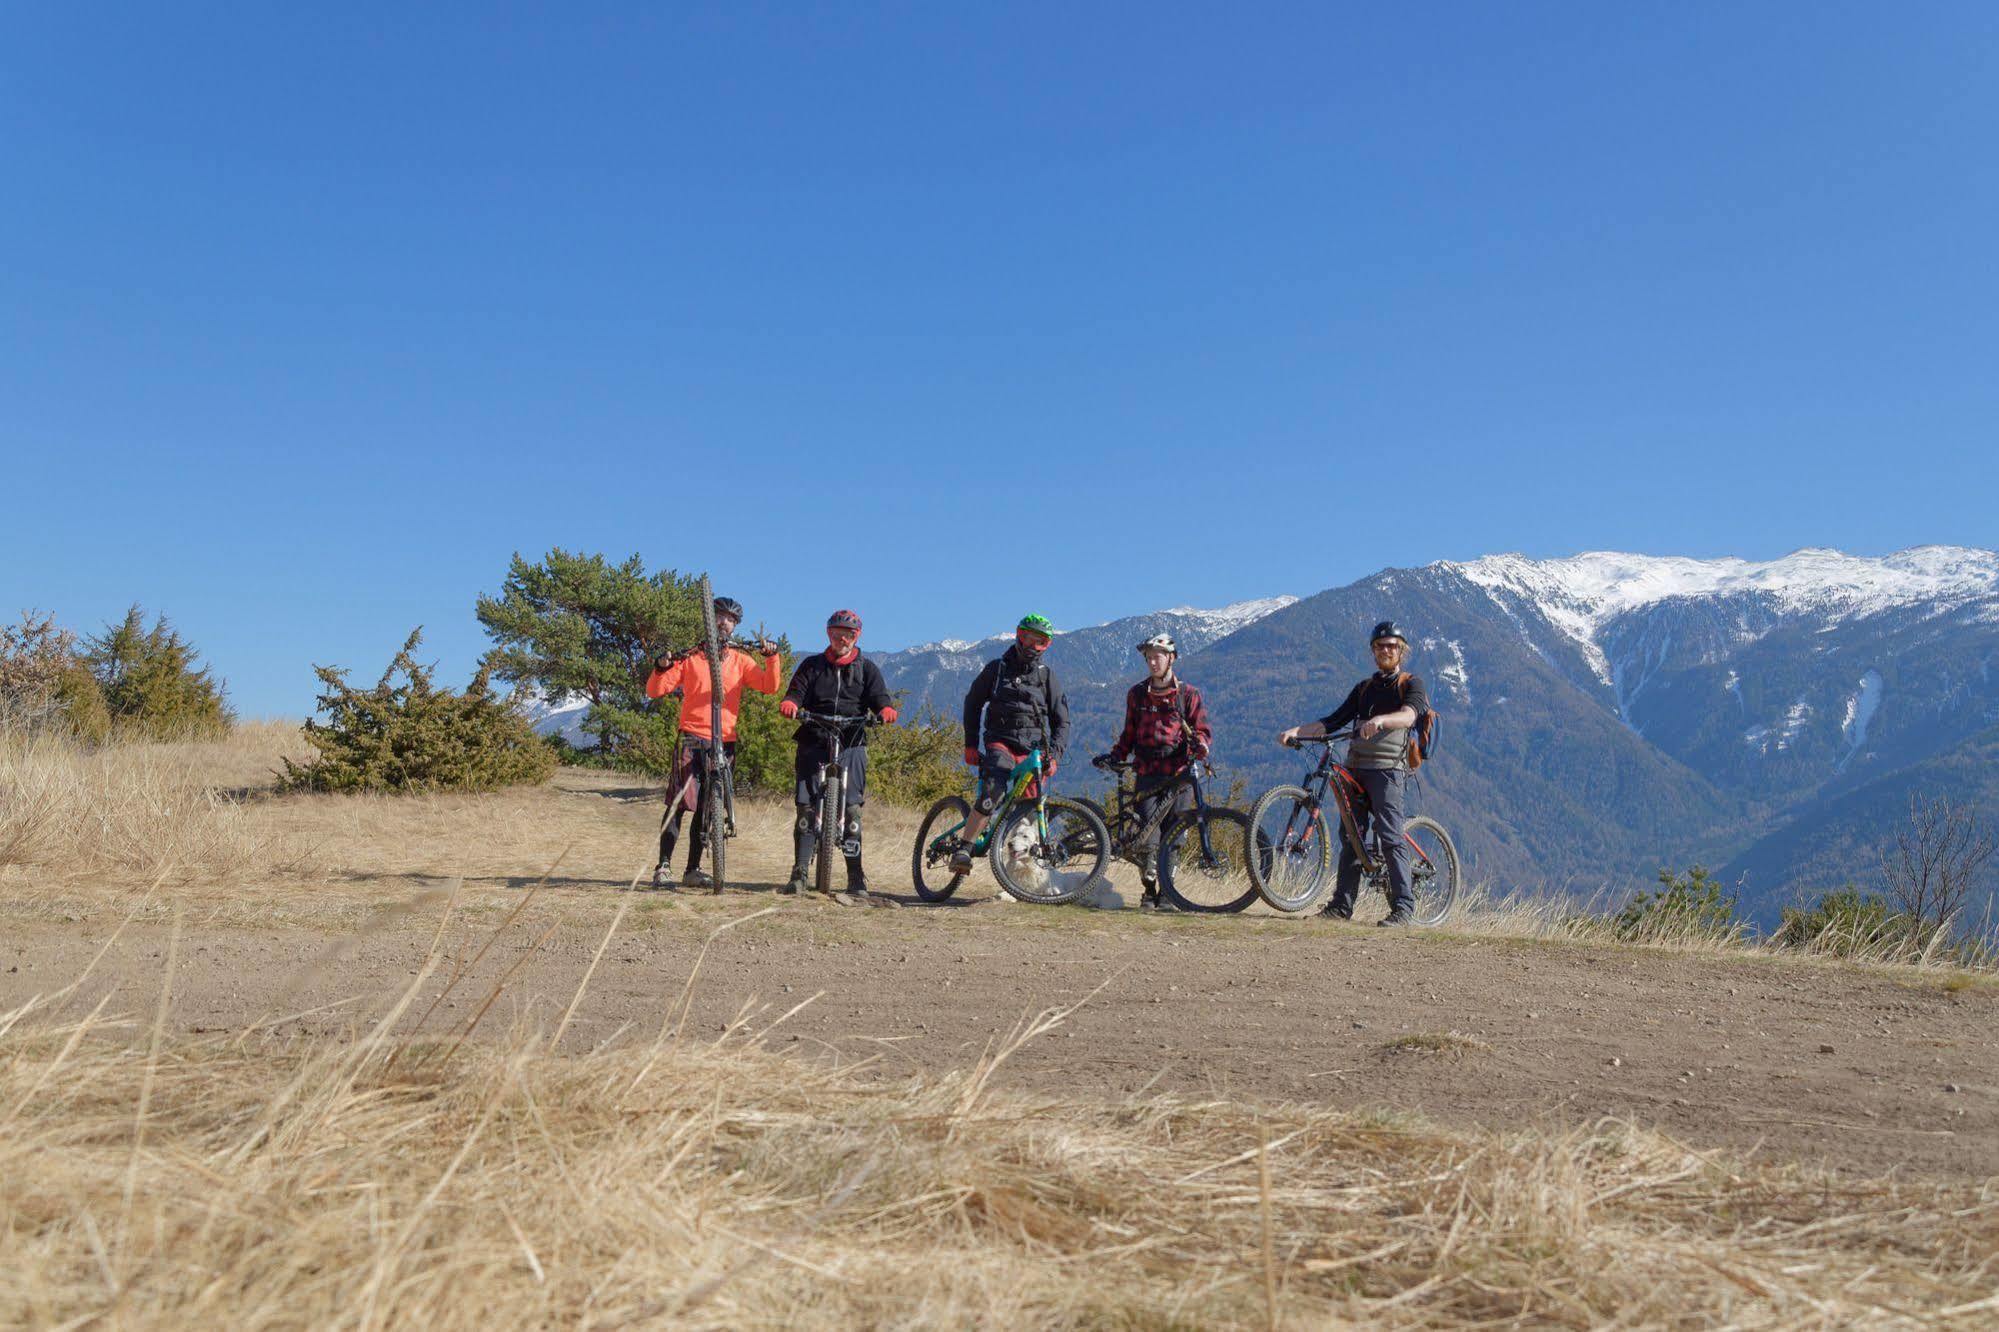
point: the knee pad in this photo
(808, 820)
(853, 828)
(986, 803)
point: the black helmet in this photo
(729, 606)
(1388, 629)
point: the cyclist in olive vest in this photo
(1381, 709)
(1015, 705)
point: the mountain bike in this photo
(833, 795)
(1043, 848)
(718, 793)
(1202, 859)
(1293, 854)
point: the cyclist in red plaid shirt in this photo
(1165, 729)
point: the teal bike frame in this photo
(1025, 771)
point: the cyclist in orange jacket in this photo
(693, 757)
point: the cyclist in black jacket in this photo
(1015, 705)
(838, 682)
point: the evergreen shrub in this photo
(1687, 906)
(406, 735)
(153, 683)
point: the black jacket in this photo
(817, 685)
(1018, 701)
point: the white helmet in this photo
(1164, 642)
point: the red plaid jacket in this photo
(1152, 737)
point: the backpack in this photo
(1423, 735)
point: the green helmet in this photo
(1040, 624)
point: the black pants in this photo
(693, 770)
(1149, 794)
(1384, 788)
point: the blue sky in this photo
(308, 322)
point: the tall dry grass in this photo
(153, 1181)
(139, 809)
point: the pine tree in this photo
(581, 626)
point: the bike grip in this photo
(888, 716)
(788, 708)
(971, 756)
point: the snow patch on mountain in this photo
(1225, 620)
(1453, 673)
(1780, 736)
(1860, 710)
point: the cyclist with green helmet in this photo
(1015, 705)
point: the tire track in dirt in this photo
(1795, 1061)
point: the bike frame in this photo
(1024, 772)
(1127, 796)
(1318, 781)
(831, 726)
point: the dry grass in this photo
(140, 809)
(1454, 1043)
(153, 1181)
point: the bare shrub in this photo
(44, 681)
(1938, 857)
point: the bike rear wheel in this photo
(1057, 868)
(829, 833)
(1215, 879)
(930, 866)
(1291, 849)
(1433, 875)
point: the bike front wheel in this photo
(1433, 870)
(715, 828)
(1057, 866)
(829, 833)
(936, 840)
(1214, 877)
(1290, 849)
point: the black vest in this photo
(1018, 709)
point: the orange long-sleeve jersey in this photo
(690, 676)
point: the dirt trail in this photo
(1866, 1071)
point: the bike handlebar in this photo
(834, 719)
(1300, 741)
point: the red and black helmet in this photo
(729, 606)
(844, 619)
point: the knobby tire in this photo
(1291, 881)
(829, 834)
(934, 881)
(1221, 886)
(1080, 851)
(714, 807)
(1435, 896)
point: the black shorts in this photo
(809, 772)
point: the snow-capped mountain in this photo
(937, 674)
(561, 718)
(1583, 595)
(1610, 713)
